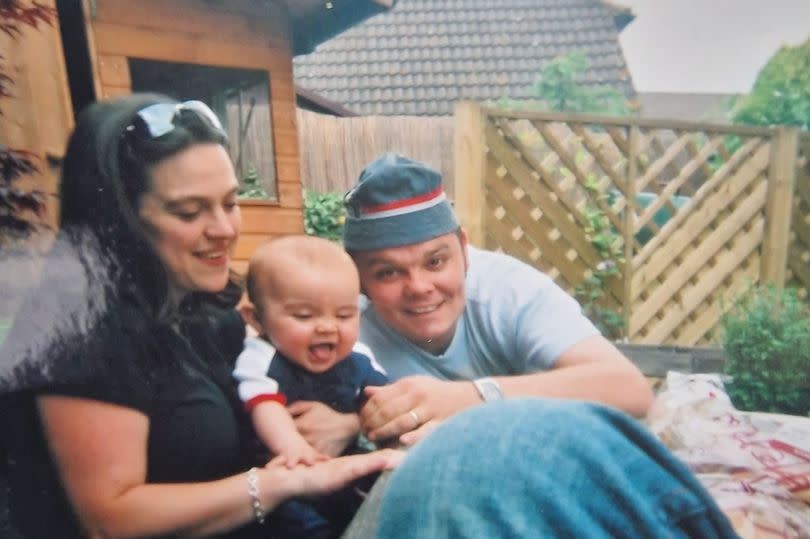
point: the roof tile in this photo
(423, 55)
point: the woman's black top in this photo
(178, 374)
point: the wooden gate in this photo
(699, 211)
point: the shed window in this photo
(241, 99)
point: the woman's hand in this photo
(326, 476)
(413, 406)
(326, 430)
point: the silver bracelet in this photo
(253, 491)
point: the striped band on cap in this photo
(404, 206)
(397, 201)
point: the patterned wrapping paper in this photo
(757, 466)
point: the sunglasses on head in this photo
(159, 118)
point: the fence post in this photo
(779, 205)
(629, 226)
(469, 165)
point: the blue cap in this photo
(397, 201)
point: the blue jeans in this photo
(545, 468)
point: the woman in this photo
(132, 429)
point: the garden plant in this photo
(324, 215)
(766, 340)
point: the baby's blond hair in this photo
(270, 260)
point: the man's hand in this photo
(414, 405)
(328, 431)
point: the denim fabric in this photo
(294, 519)
(545, 468)
(324, 517)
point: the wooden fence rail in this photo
(700, 210)
(335, 150)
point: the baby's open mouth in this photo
(323, 351)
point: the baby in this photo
(303, 292)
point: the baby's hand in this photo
(300, 453)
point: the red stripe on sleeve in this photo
(258, 399)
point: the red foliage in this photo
(16, 163)
(13, 14)
(5, 81)
(16, 202)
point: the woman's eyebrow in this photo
(172, 202)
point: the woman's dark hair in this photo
(105, 173)
(102, 276)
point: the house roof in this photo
(424, 55)
(693, 107)
(309, 100)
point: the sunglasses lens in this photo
(159, 118)
(203, 110)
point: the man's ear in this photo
(462, 238)
(250, 316)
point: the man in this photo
(454, 325)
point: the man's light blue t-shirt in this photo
(516, 321)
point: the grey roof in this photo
(424, 55)
(694, 107)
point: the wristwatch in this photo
(488, 388)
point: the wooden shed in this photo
(233, 54)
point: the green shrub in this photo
(324, 215)
(766, 339)
(561, 87)
(781, 93)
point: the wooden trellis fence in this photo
(798, 264)
(700, 210)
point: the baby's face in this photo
(312, 317)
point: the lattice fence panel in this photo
(710, 243)
(799, 252)
(536, 199)
(691, 204)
